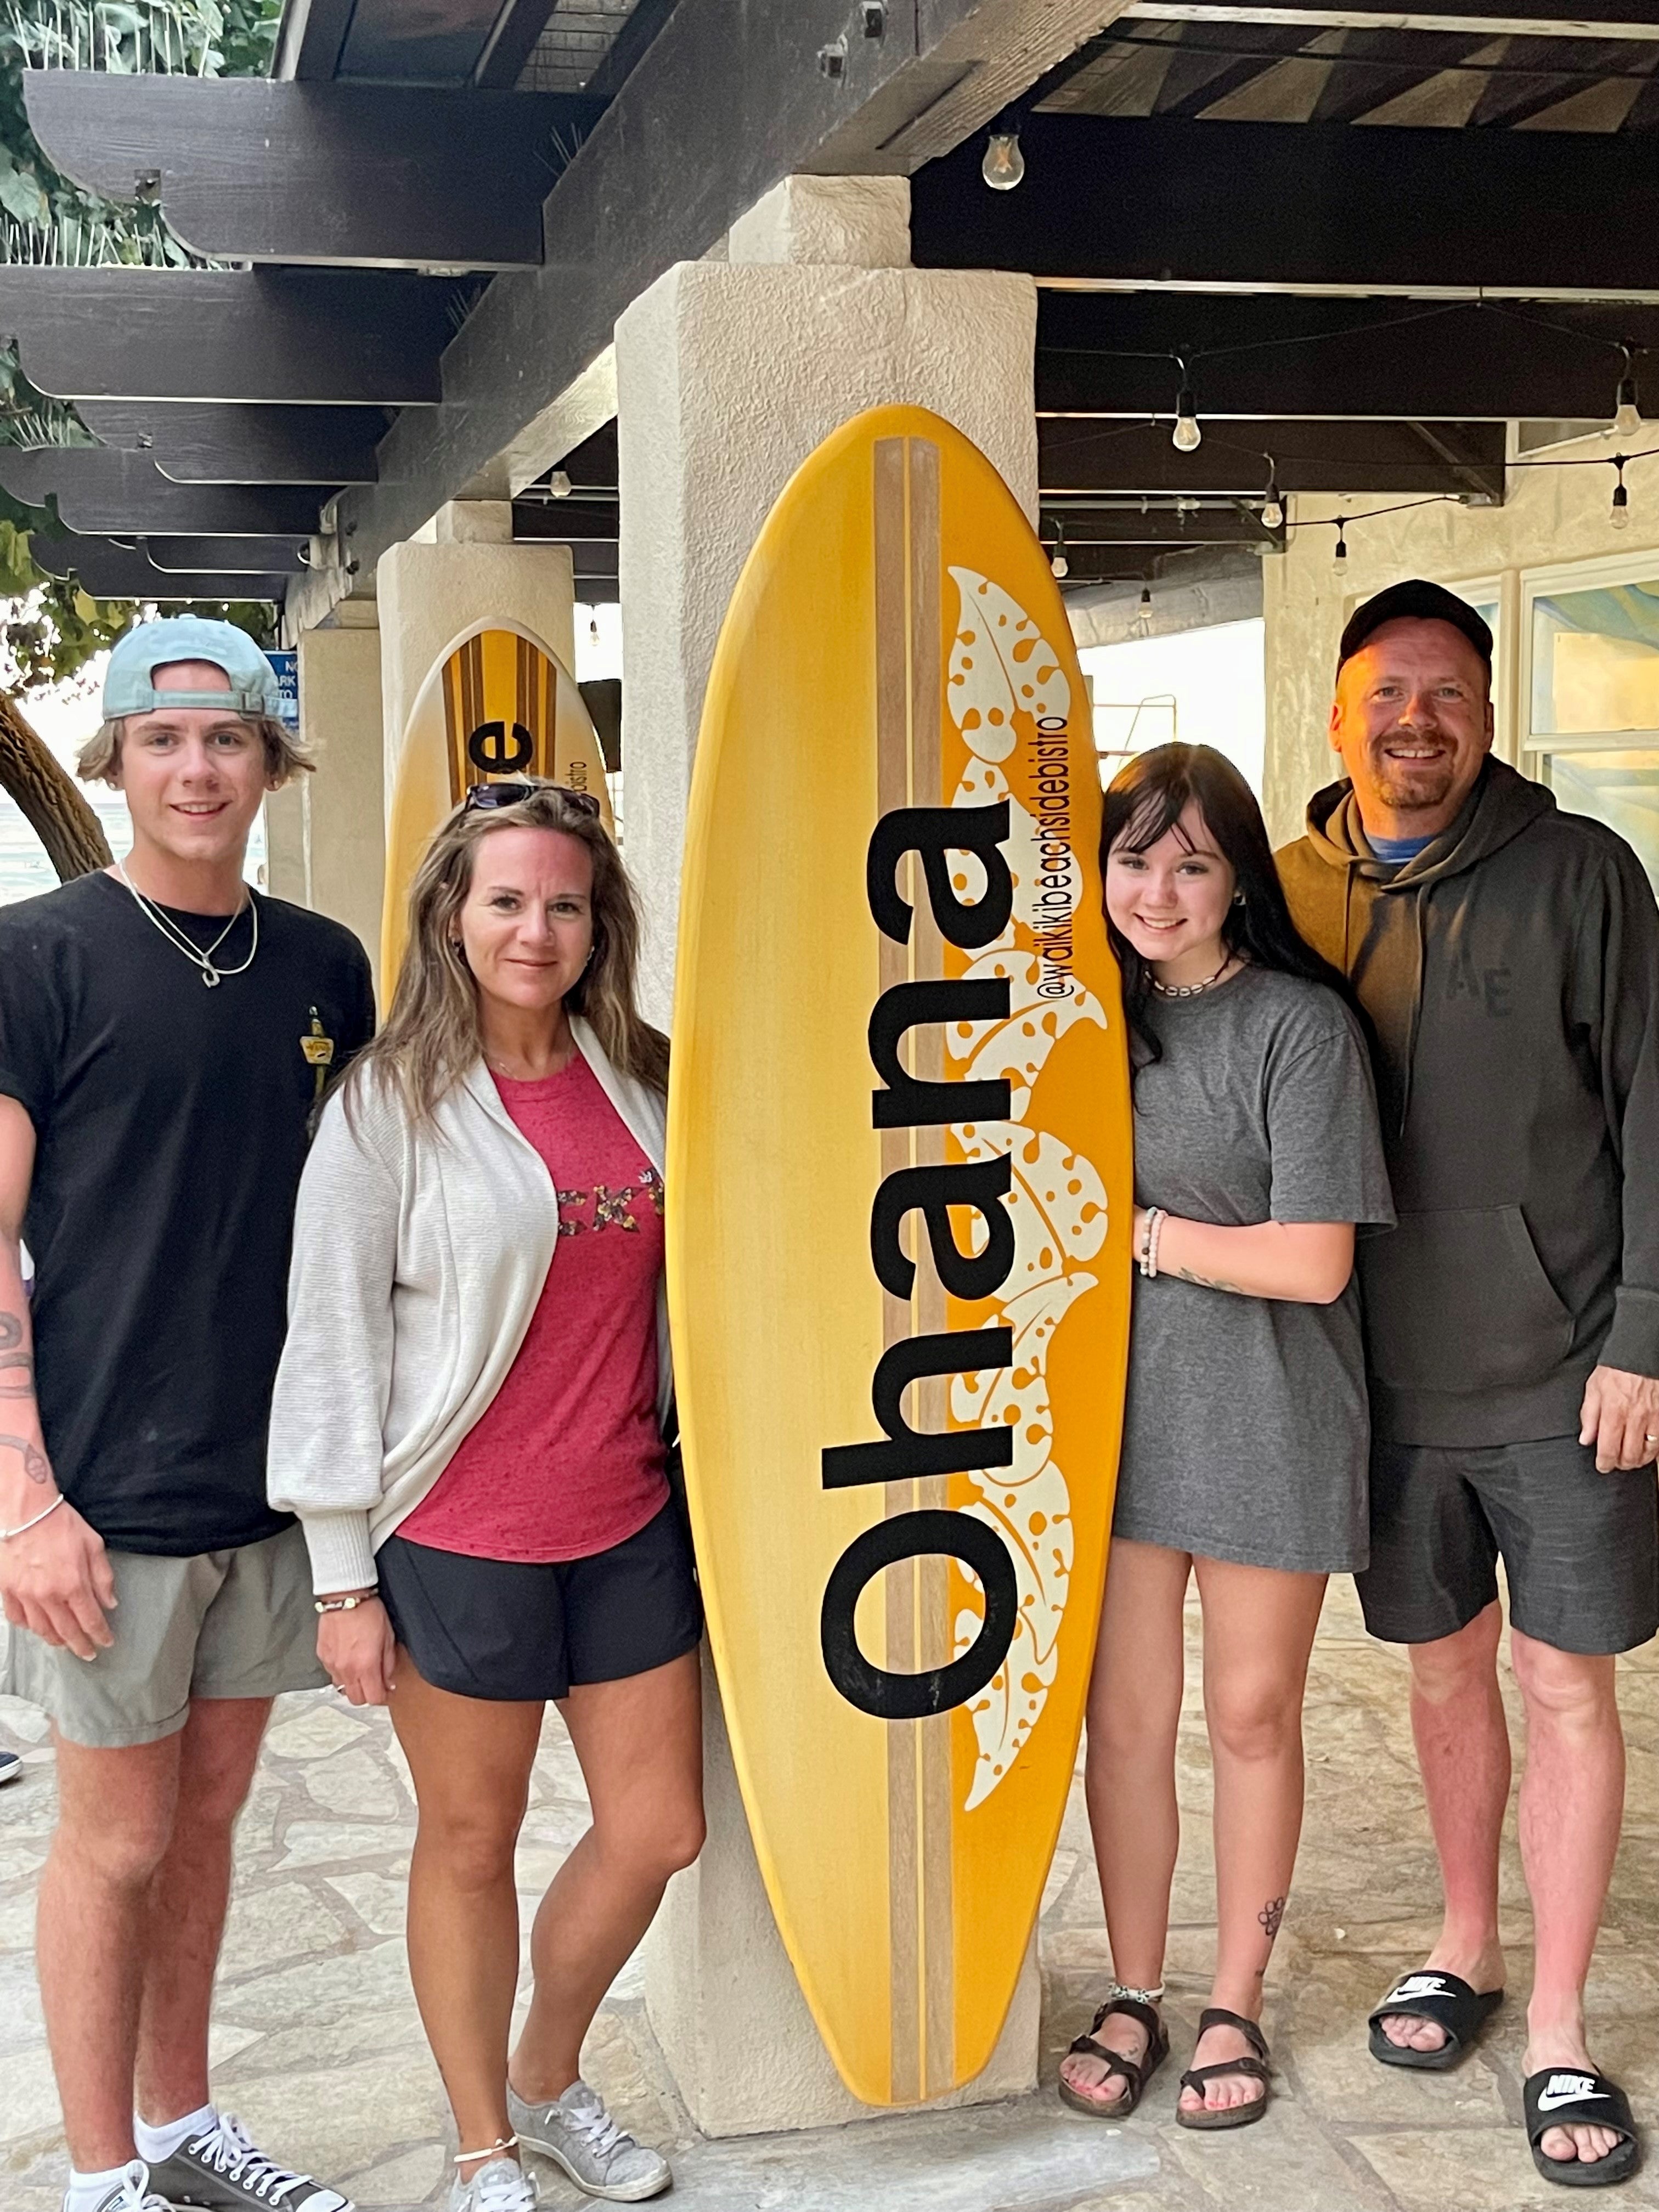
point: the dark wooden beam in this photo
(729, 97)
(208, 444)
(1273, 354)
(1237, 460)
(372, 175)
(310, 337)
(517, 29)
(111, 571)
(1154, 203)
(126, 493)
(230, 557)
(310, 39)
(1087, 523)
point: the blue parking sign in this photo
(287, 665)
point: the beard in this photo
(1404, 787)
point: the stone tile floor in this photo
(318, 2047)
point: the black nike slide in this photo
(1562, 2097)
(1447, 2000)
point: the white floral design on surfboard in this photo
(1001, 666)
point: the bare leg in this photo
(1572, 1799)
(1259, 1624)
(470, 1760)
(115, 1821)
(1134, 1711)
(188, 1898)
(1463, 1750)
(639, 1742)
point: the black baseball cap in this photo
(1414, 600)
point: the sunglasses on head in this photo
(486, 797)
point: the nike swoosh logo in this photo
(1550, 2101)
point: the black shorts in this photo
(510, 1630)
(1580, 1550)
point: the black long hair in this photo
(1145, 801)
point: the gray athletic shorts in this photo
(219, 1625)
(1580, 1550)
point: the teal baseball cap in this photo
(128, 681)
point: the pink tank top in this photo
(568, 1460)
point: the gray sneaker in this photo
(577, 2133)
(132, 2192)
(503, 2186)
(220, 2171)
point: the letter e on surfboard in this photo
(497, 703)
(899, 1196)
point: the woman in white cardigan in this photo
(468, 1422)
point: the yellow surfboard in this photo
(498, 704)
(899, 1189)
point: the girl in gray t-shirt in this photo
(1257, 1155)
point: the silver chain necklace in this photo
(212, 976)
(1190, 990)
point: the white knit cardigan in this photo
(419, 1256)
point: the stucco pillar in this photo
(465, 570)
(729, 374)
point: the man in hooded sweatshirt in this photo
(1507, 957)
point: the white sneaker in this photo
(577, 2133)
(132, 2193)
(502, 2187)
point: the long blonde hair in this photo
(431, 1036)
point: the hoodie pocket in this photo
(1459, 1300)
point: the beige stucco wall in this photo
(1552, 515)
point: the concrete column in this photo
(729, 374)
(465, 570)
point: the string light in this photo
(1057, 563)
(1619, 517)
(1339, 558)
(558, 484)
(1273, 508)
(1004, 166)
(1188, 436)
(1142, 624)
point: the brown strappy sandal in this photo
(1136, 2072)
(1255, 2069)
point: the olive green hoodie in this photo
(1510, 975)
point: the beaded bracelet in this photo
(1155, 1218)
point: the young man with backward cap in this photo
(165, 1033)
(1507, 956)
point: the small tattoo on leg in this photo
(1272, 1914)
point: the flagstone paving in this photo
(318, 2045)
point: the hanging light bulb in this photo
(1142, 624)
(1004, 166)
(1188, 436)
(1619, 518)
(1273, 508)
(1627, 416)
(1058, 562)
(558, 485)
(1339, 558)
(594, 628)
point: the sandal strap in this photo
(1252, 2069)
(1133, 2070)
(1445, 2001)
(1218, 2016)
(1574, 2097)
(1132, 2008)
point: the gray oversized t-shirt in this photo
(1246, 1430)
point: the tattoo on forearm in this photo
(1271, 1915)
(35, 1460)
(16, 1366)
(1206, 1282)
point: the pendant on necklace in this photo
(211, 977)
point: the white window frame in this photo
(1535, 747)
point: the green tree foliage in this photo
(52, 627)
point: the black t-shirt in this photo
(170, 1123)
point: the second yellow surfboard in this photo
(899, 1211)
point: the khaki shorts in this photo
(219, 1625)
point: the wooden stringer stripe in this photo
(454, 732)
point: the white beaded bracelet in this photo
(23, 1527)
(1155, 1218)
